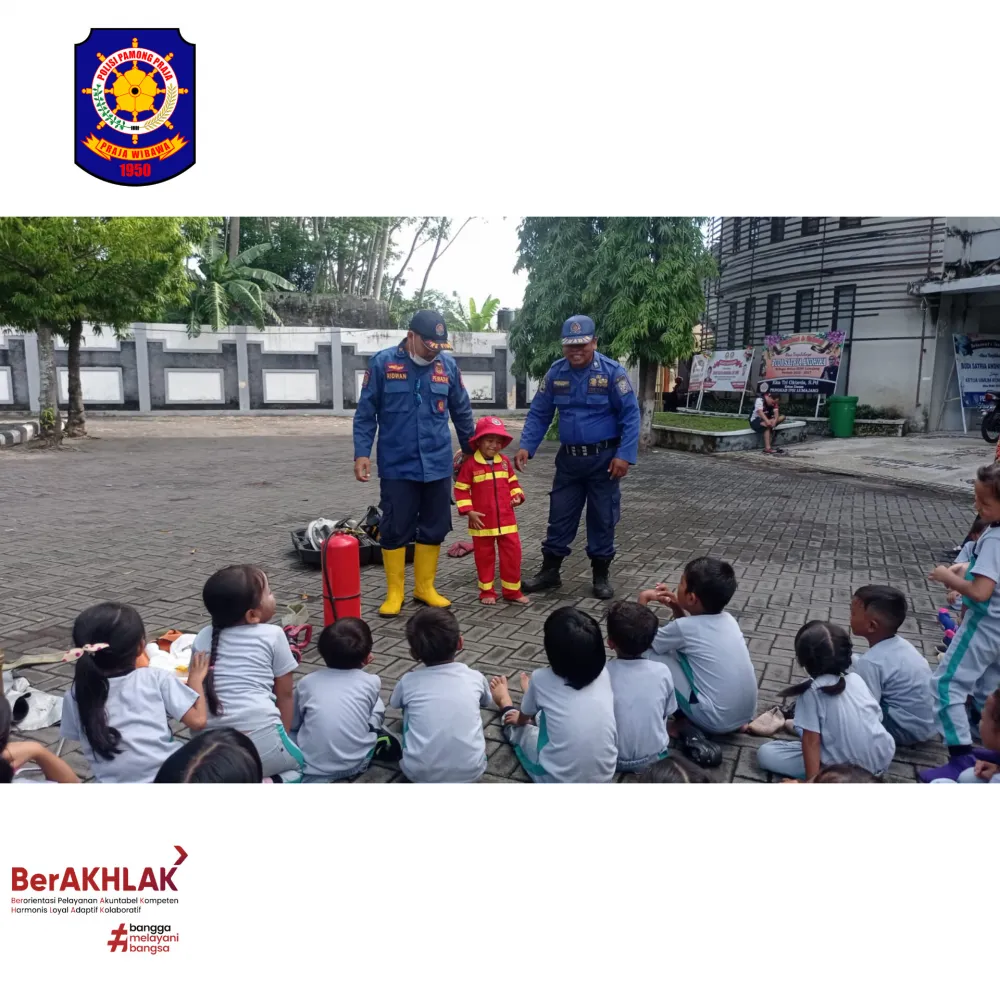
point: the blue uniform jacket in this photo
(595, 404)
(409, 404)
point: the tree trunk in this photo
(647, 402)
(374, 258)
(50, 420)
(383, 252)
(342, 260)
(434, 257)
(234, 237)
(76, 423)
(406, 263)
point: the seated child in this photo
(215, 757)
(14, 756)
(983, 765)
(442, 729)
(250, 685)
(337, 722)
(573, 738)
(836, 716)
(643, 688)
(707, 655)
(844, 774)
(486, 492)
(121, 715)
(897, 675)
(765, 417)
(970, 668)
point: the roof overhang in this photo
(957, 286)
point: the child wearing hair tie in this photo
(837, 717)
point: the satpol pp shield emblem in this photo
(134, 111)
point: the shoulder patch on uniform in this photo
(366, 379)
(623, 385)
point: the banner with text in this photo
(804, 362)
(728, 371)
(699, 369)
(977, 360)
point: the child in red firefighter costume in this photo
(487, 491)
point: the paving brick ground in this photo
(148, 520)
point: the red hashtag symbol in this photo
(118, 938)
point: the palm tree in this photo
(231, 289)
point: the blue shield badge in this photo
(135, 95)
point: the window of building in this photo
(737, 227)
(754, 232)
(810, 225)
(749, 309)
(843, 309)
(848, 222)
(803, 310)
(731, 332)
(773, 315)
(777, 229)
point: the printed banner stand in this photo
(977, 371)
(743, 394)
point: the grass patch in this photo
(696, 422)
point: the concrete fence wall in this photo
(159, 368)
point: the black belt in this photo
(580, 450)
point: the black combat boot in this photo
(603, 590)
(547, 577)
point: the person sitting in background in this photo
(14, 756)
(766, 416)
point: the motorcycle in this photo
(990, 427)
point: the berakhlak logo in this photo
(135, 96)
(119, 939)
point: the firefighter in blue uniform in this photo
(407, 393)
(599, 434)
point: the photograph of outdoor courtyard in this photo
(165, 417)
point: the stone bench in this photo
(709, 442)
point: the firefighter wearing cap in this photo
(407, 394)
(599, 436)
(487, 491)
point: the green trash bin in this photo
(842, 410)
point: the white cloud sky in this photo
(480, 263)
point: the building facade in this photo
(871, 277)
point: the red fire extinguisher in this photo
(341, 565)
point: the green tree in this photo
(640, 279)
(476, 320)
(58, 273)
(225, 290)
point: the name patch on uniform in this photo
(403, 376)
(598, 383)
(623, 385)
(440, 378)
(560, 385)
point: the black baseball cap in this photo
(430, 326)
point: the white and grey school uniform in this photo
(575, 738)
(899, 679)
(643, 698)
(713, 674)
(443, 737)
(760, 409)
(337, 713)
(140, 705)
(248, 660)
(970, 664)
(849, 726)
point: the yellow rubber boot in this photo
(425, 562)
(394, 561)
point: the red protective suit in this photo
(489, 488)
